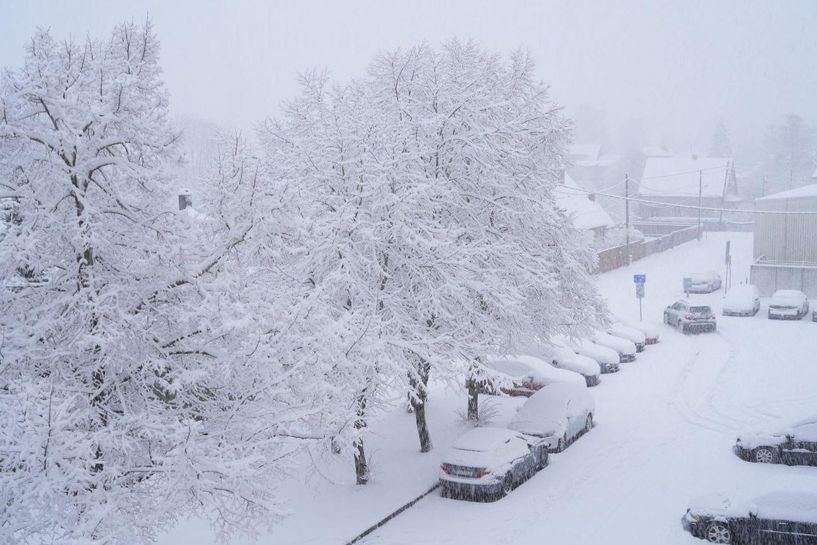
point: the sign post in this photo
(639, 280)
(728, 276)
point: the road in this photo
(665, 427)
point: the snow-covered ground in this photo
(665, 427)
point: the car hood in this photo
(754, 440)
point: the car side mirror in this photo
(753, 511)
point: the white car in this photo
(626, 332)
(563, 357)
(788, 305)
(558, 414)
(489, 462)
(651, 331)
(526, 374)
(702, 282)
(607, 358)
(743, 300)
(626, 349)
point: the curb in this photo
(371, 529)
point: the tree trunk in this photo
(472, 384)
(422, 427)
(417, 397)
(361, 465)
(473, 399)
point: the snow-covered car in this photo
(743, 300)
(626, 332)
(784, 517)
(607, 358)
(650, 331)
(563, 357)
(626, 349)
(558, 414)
(814, 315)
(526, 374)
(788, 305)
(702, 282)
(490, 462)
(690, 318)
(796, 445)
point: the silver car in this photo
(690, 318)
(788, 305)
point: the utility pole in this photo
(700, 199)
(627, 218)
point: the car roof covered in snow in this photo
(786, 505)
(484, 439)
(523, 365)
(552, 398)
(788, 294)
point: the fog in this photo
(660, 72)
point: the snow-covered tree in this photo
(790, 153)
(430, 235)
(721, 146)
(135, 385)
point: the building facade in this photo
(785, 241)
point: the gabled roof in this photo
(656, 151)
(586, 214)
(679, 177)
(807, 191)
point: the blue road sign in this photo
(640, 278)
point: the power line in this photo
(707, 208)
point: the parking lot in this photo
(665, 428)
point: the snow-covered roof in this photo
(586, 214)
(799, 193)
(656, 151)
(602, 161)
(585, 151)
(678, 176)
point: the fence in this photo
(613, 258)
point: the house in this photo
(584, 211)
(681, 183)
(591, 167)
(785, 242)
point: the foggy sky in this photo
(676, 67)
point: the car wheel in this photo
(588, 423)
(507, 484)
(765, 455)
(684, 329)
(718, 532)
